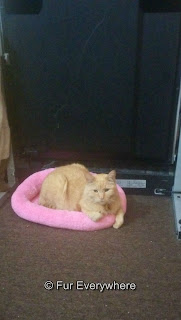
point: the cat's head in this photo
(101, 188)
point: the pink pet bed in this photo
(24, 202)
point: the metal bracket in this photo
(161, 192)
(177, 212)
(176, 192)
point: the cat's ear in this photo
(112, 175)
(89, 177)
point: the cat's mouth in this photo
(102, 201)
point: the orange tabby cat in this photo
(72, 187)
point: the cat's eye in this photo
(95, 190)
(106, 190)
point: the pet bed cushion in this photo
(24, 202)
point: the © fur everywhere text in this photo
(81, 285)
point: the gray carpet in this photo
(144, 251)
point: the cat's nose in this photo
(101, 195)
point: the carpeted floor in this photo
(144, 251)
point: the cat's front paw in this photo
(119, 220)
(116, 225)
(95, 216)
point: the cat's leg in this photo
(45, 203)
(94, 211)
(119, 219)
(93, 215)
